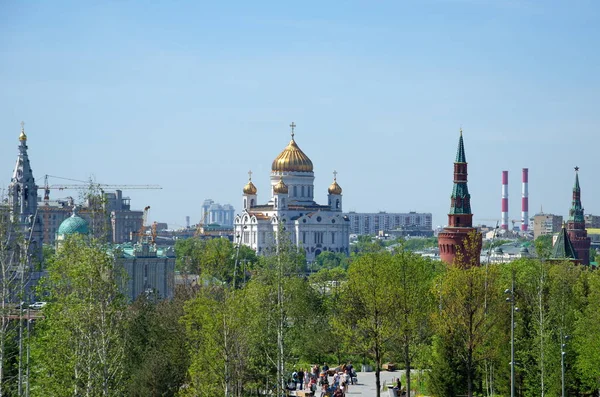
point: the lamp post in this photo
(513, 309)
(563, 344)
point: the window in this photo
(295, 191)
(332, 237)
(302, 191)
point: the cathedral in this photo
(312, 227)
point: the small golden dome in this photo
(334, 188)
(22, 137)
(280, 188)
(250, 188)
(292, 158)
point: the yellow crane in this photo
(200, 225)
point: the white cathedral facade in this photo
(312, 227)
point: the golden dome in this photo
(250, 188)
(334, 188)
(22, 137)
(292, 158)
(280, 188)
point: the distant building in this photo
(592, 221)
(215, 213)
(362, 223)
(451, 241)
(546, 224)
(313, 227)
(149, 269)
(114, 221)
(576, 225)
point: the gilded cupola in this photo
(250, 189)
(22, 137)
(334, 188)
(292, 158)
(280, 188)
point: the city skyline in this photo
(192, 97)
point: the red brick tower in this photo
(460, 219)
(576, 225)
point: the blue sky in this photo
(191, 95)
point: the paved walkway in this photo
(366, 383)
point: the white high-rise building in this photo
(313, 227)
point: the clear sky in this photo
(191, 95)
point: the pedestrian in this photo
(301, 377)
(349, 371)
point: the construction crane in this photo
(142, 231)
(200, 225)
(87, 185)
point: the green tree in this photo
(367, 316)
(330, 260)
(79, 348)
(543, 246)
(414, 304)
(156, 357)
(463, 323)
(587, 337)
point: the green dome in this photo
(73, 224)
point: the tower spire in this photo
(460, 219)
(576, 225)
(576, 212)
(460, 152)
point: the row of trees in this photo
(242, 333)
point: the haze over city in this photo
(190, 97)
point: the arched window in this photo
(245, 203)
(275, 202)
(337, 204)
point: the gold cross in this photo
(335, 175)
(250, 175)
(293, 126)
(22, 126)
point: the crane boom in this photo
(87, 185)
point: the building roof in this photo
(563, 248)
(72, 225)
(292, 159)
(460, 152)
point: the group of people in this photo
(318, 379)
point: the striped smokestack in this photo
(525, 201)
(504, 218)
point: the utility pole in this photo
(513, 309)
(563, 344)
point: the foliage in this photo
(79, 347)
(330, 260)
(214, 258)
(156, 356)
(418, 243)
(543, 246)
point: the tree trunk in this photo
(377, 369)
(469, 373)
(407, 368)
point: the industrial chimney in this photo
(504, 217)
(525, 201)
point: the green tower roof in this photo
(563, 249)
(576, 211)
(73, 224)
(460, 152)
